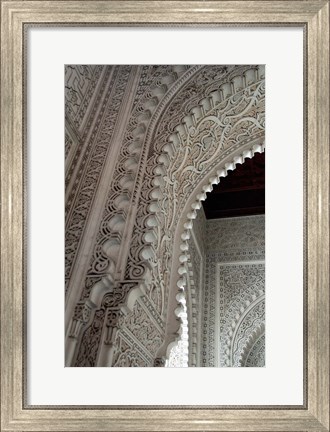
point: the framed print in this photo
(146, 124)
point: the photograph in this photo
(143, 288)
(165, 215)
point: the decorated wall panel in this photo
(140, 142)
(234, 291)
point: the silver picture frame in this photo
(16, 17)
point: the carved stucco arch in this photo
(226, 91)
(143, 259)
(243, 307)
(248, 357)
(227, 97)
(192, 312)
(127, 175)
(254, 337)
(178, 281)
(145, 256)
(236, 350)
(105, 265)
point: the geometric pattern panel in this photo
(80, 85)
(234, 293)
(241, 310)
(236, 239)
(218, 110)
(256, 356)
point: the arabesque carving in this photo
(107, 319)
(188, 127)
(254, 351)
(235, 291)
(220, 125)
(153, 84)
(77, 217)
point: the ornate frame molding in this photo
(313, 16)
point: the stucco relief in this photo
(253, 320)
(80, 84)
(234, 288)
(78, 205)
(159, 164)
(68, 144)
(176, 168)
(195, 283)
(128, 354)
(154, 84)
(143, 329)
(256, 355)
(139, 336)
(86, 133)
(179, 356)
(245, 237)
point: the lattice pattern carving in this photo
(234, 289)
(76, 220)
(195, 283)
(153, 84)
(143, 329)
(185, 122)
(238, 238)
(94, 116)
(180, 160)
(107, 320)
(80, 84)
(256, 355)
(128, 355)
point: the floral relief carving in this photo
(76, 220)
(244, 236)
(141, 326)
(152, 86)
(109, 237)
(153, 310)
(213, 114)
(128, 355)
(80, 318)
(240, 286)
(256, 356)
(174, 169)
(252, 321)
(141, 335)
(232, 286)
(87, 135)
(80, 84)
(89, 345)
(68, 144)
(108, 318)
